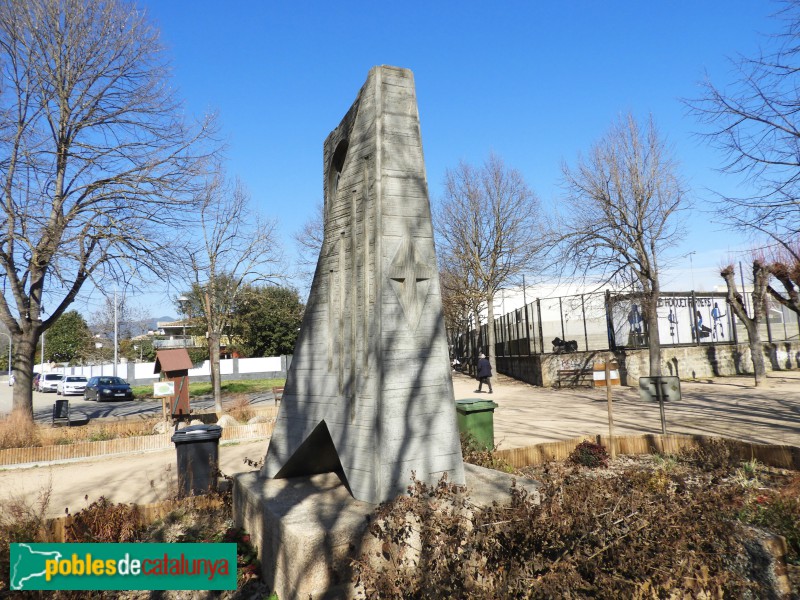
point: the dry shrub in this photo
(589, 454)
(475, 453)
(596, 537)
(240, 408)
(710, 454)
(17, 431)
(105, 521)
(21, 521)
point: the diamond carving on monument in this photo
(410, 279)
(369, 394)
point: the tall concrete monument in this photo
(369, 394)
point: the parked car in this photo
(107, 388)
(71, 384)
(49, 382)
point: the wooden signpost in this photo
(605, 375)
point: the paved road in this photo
(81, 410)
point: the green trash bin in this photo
(476, 417)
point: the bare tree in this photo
(488, 225)
(622, 211)
(736, 302)
(235, 247)
(754, 121)
(127, 319)
(784, 265)
(308, 241)
(94, 158)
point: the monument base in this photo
(307, 529)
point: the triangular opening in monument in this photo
(316, 454)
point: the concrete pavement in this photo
(525, 416)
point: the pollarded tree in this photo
(95, 159)
(488, 224)
(751, 323)
(784, 265)
(754, 122)
(622, 212)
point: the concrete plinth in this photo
(307, 529)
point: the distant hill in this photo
(152, 324)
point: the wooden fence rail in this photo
(125, 445)
(786, 457)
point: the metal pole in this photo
(43, 352)
(766, 318)
(539, 316)
(527, 321)
(116, 356)
(612, 342)
(744, 295)
(583, 316)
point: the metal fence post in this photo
(539, 315)
(766, 318)
(612, 342)
(583, 316)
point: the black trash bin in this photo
(198, 458)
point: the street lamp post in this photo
(183, 300)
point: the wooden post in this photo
(610, 411)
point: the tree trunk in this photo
(490, 332)
(653, 336)
(756, 351)
(24, 358)
(213, 355)
(476, 347)
(736, 303)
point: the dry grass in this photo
(17, 431)
(240, 408)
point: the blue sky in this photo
(535, 82)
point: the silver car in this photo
(71, 384)
(49, 382)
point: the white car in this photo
(49, 382)
(71, 384)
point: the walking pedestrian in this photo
(484, 373)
